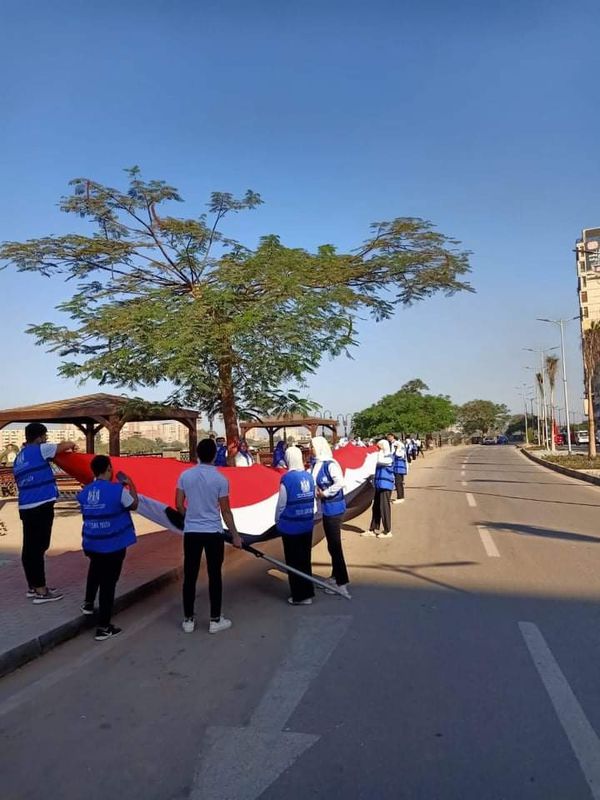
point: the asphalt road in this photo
(466, 666)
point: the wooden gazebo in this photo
(92, 412)
(274, 424)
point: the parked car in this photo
(489, 440)
(582, 437)
(502, 439)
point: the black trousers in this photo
(298, 550)
(214, 546)
(37, 529)
(399, 486)
(333, 533)
(381, 511)
(103, 573)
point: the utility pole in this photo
(561, 323)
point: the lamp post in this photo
(536, 393)
(542, 352)
(522, 390)
(560, 323)
(345, 422)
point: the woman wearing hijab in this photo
(295, 518)
(329, 480)
(384, 484)
(279, 455)
(243, 457)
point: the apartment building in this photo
(588, 290)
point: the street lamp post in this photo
(522, 390)
(542, 351)
(560, 323)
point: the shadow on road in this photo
(534, 530)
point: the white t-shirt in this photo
(47, 452)
(243, 460)
(203, 486)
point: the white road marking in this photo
(462, 473)
(241, 763)
(96, 650)
(581, 735)
(488, 543)
(464, 483)
(471, 500)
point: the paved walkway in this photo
(26, 631)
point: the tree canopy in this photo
(406, 411)
(482, 416)
(159, 297)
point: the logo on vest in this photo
(93, 497)
(304, 485)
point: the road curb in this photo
(27, 651)
(570, 473)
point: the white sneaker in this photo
(341, 590)
(307, 602)
(368, 533)
(188, 625)
(219, 625)
(387, 535)
(395, 502)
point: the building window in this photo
(584, 297)
(585, 312)
(584, 282)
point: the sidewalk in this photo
(27, 631)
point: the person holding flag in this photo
(384, 483)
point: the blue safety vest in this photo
(399, 464)
(298, 516)
(107, 525)
(221, 457)
(34, 477)
(331, 506)
(384, 477)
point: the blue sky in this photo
(481, 117)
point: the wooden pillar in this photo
(114, 436)
(271, 432)
(334, 433)
(313, 430)
(190, 424)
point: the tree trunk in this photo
(552, 442)
(228, 409)
(591, 420)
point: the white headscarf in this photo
(384, 446)
(322, 448)
(294, 458)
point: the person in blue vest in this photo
(279, 459)
(107, 533)
(38, 492)
(384, 483)
(329, 480)
(221, 457)
(295, 519)
(399, 465)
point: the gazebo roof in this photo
(288, 421)
(90, 407)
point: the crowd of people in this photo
(307, 492)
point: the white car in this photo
(582, 437)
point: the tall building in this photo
(588, 290)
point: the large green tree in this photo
(482, 416)
(408, 411)
(158, 297)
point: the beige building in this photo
(16, 435)
(588, 290)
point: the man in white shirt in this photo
(202, 496)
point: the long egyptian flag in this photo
(253, 490)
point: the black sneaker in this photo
(106, 633)
(87, 608)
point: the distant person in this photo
(202, 496)
(419, 447)
(243, 456)
(279, 459)
(108, 531)
(295, 519)
(329, 480)
(381, 513)
(399, 467)
(221, 457)
(38, 492)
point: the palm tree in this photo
(590, 346)
(541, 422)
(551, 370)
